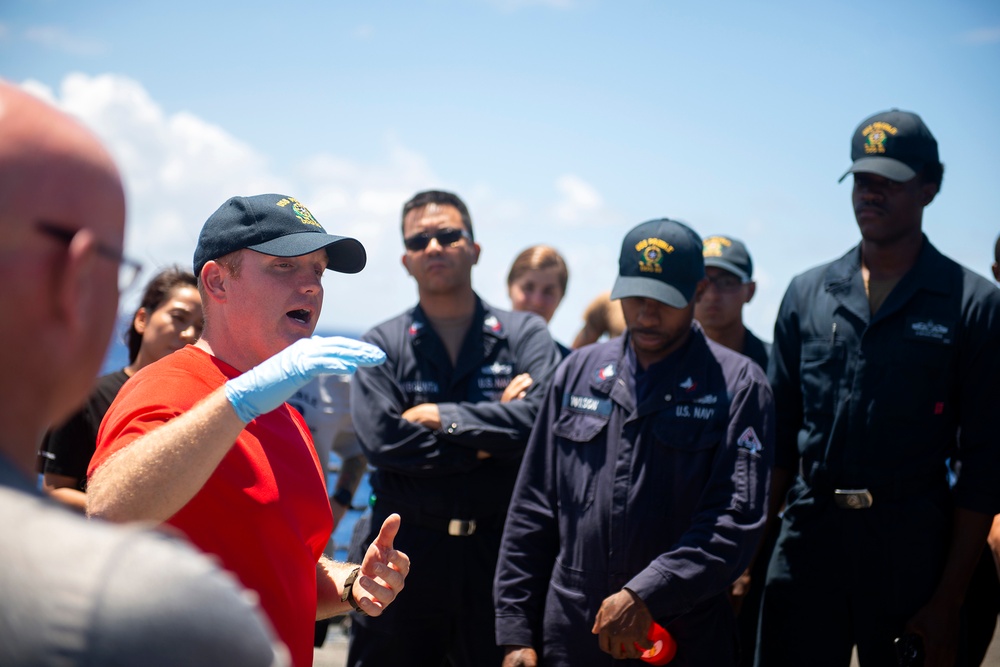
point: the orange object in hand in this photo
(664, 647)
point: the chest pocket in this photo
(581, 446)
(820, 372)
(915, 374)
(690, 427)
(682, 454)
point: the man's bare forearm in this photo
(153, 477)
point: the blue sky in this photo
(564, 122)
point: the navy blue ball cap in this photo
(661, 260)
(274, 225)
(728, 254)
(894, 144)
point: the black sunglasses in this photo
(444, 237)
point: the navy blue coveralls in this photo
(876, 403)
(654, 482)
(452, 502)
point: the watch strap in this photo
(348, 594)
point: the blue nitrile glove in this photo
(269, 384)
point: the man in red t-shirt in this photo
(203, 439)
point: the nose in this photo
(646, 310)
(433, 245)
(191, 333)
(868, 189)
(312, 282)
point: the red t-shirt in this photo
(264, 511)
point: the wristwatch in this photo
(343, 497)
(347, 595)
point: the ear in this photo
(751, 290)
(475, 253)
(77, 293)
(140, 320)
(927, 193)
(215, 281)
(405, 261)
(699, 290)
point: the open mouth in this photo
(300, 315)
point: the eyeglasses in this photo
(726, 283)
(128, 269)
(445, 237)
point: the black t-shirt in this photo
(69, 447)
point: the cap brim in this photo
(346, 255)
(892, 169)
(727, 266)
(650, 288)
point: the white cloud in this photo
(60, 39)
(578, 200)
(179, 168)
(982, 36)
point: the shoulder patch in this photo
(749, 441)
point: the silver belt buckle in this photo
(852, 499)
(461, 528)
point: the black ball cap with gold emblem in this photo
(661, 260)
(277, 225)
(728, 254)
(894, 144)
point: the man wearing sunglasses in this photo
(445, 449)
(72, 591)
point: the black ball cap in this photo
(276, 225)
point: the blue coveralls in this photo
(876, 402)
(664, 495)
(436, 482)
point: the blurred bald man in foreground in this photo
(78, 592)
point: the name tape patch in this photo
(590, 405)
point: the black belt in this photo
(455, 526)
(860, 498)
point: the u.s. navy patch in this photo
(749, 441)
(590, 405)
